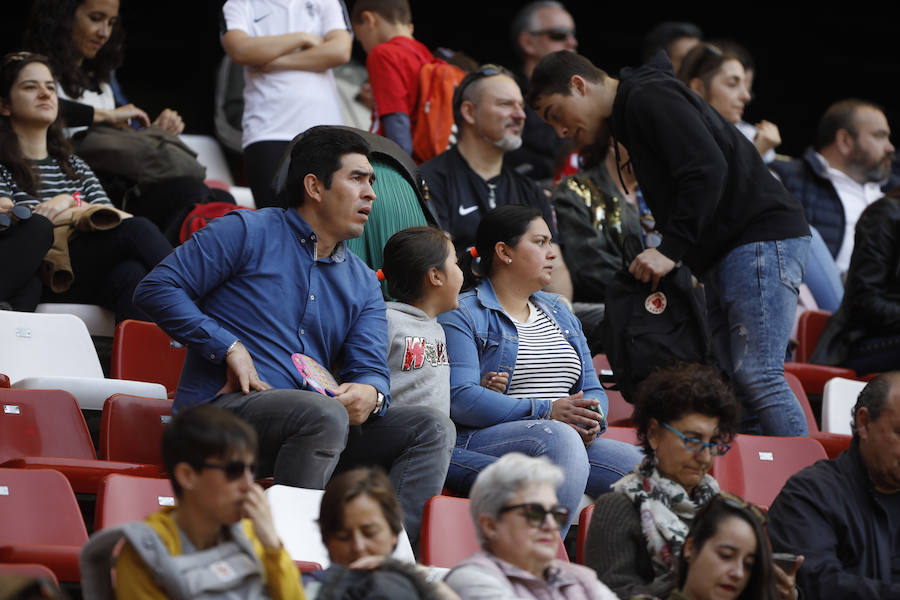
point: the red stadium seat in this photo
(143, 352)
(834, 443)
(40, 521)
(32, 570)
(131, 428)
(809, 327)
(584, 522)
(44, 429)
(757, 467)
(123, 498)
(622, 434)
(448, 534)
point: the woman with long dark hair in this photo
(103, 252)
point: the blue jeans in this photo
(822, 276)
(752, 298)
(590, 470)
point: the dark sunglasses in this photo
(19, 212)
(535, 513)
(233, 469)
(557, 34)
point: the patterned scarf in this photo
(665, 509)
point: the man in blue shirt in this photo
(251, 289)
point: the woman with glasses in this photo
(517, 518)
(220, 536)
(684, 416)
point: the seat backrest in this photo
(448, 534)
(47, 345)
(619, 409)
(42, 423)
(124, 498)
(757, 467)
(809, 328)
(838, 401)
(38, 507)
(144, 352)
(622, 434)
(584, 523)
(797, 387)
(131, 428)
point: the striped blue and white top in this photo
(54, 181)
(547, 366)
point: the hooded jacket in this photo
(704, 182)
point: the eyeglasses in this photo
(535, 513)
(737, 502)
(557, 34)
(718, 448)
(233, 469)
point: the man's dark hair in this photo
(664, 34)
(554, 72)
(683, 389)
(318, 151)
(393, 11)
(203, 432)
(524, 21)
(840, 115)
(873, 397)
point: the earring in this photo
(508, 260)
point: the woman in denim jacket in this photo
(521, 375)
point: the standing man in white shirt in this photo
(288, 48)
(848, 169)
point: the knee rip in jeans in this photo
(543, 425)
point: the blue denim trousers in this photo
(752, 298)
(588, 470)
(822, 276)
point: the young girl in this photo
(422, 274)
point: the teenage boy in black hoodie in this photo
(717, 206)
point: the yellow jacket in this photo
(135, 582)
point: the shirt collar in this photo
(308, 238)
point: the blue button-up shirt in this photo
(253, 277)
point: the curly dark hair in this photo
(49, 32)
(685, 388)
(11, 155)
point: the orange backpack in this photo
(434, 109)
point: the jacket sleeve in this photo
(674, 130)
(168, 293)
(280, 572)
(472, 405)
(590, 254)
(798, 524)
(133, 579)
(617, 550)
(874, 268)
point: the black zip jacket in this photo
(704, 182)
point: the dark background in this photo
(805, 60)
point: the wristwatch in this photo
(379, 403)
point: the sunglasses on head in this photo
(233, 469)
(735, 501)
(535, 513)
(557, 34)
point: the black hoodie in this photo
(705, 183)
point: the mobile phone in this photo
(785, 560)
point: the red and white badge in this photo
(656, 303)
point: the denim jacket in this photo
(481, 338)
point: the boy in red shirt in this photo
(384, 30)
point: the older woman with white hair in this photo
(511, 501)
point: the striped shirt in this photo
(54, 181)
(547, 366)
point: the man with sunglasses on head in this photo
(471, 178)
(538, 29)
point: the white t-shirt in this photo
(104, 99)
(279, 105)
(855, 197)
